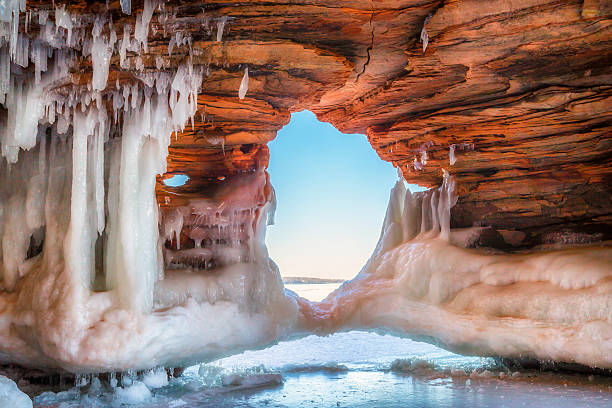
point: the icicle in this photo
(132, 265)
(5, 74)
(79, 240)
(63, 19)
(99, 169)
(424, 157)
(125, 43)
(220, 27)
(126, 6)
(244, 84)
(451, 155)
(141, 30)
(417, 165)
(424, 35)
(43, 16)
(100, 57)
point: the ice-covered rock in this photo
(546, 305)
(11, 396)
(136, 393)
(156, 378)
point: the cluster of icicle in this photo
(81, 257)
(222, 255)
(221, 230)
(421, 156)
(61, 149)
(410, 215)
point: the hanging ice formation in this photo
(126, 6)
(79, 221)
(452, 149)
(220, 26)
(424, 35)
(244, 84)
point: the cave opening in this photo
(176, 180)
(115, 273)
(332, 190)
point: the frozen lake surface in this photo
(354, 369)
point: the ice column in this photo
(132, 266)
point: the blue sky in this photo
(332, 192)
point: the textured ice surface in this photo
(548, 305)
(11, 396)
(136, 393)
(155, 378)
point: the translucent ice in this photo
(137, 393)
(11, 396)
(220, 27)
(155, 378)
(126, 6)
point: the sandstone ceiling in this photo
(521, 90)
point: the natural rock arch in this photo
(511, 100)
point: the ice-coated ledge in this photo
(553, 306)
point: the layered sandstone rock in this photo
(521, 92)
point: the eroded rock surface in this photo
(520, 91)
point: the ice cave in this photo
(135, 196)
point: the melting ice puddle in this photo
(354, 370)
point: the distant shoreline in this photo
(303, 280)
